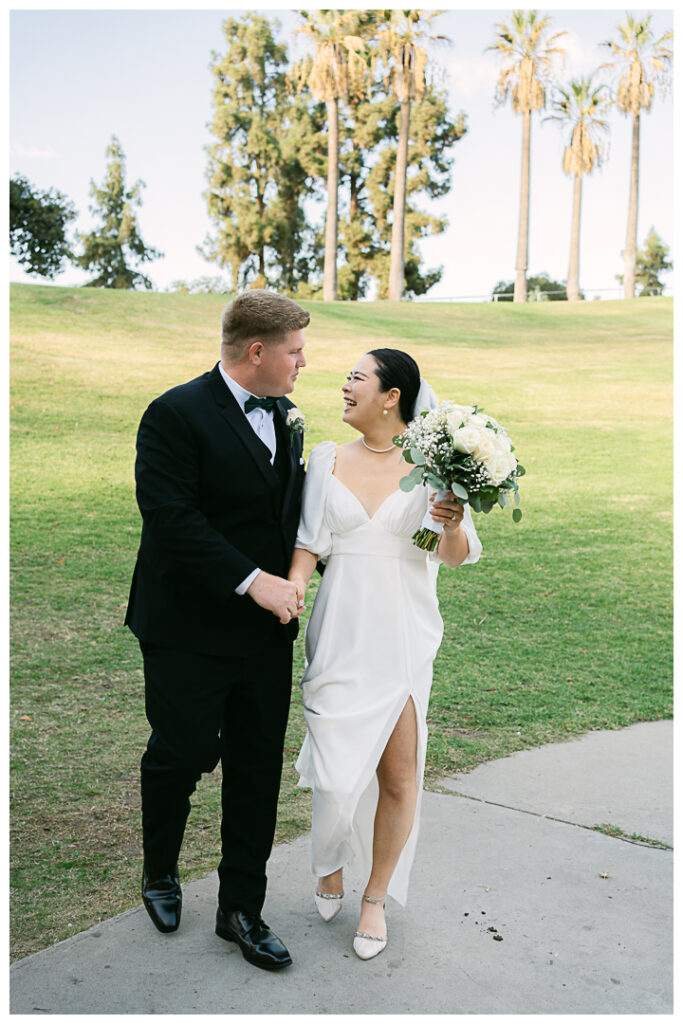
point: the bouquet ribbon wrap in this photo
(430, 524)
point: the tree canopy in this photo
(651, 261)
(37, 227)
(115, 247)
(539, 285)
(261, 165)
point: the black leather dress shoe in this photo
(163, 900)
(259, 945)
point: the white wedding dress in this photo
(371, 640)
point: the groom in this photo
(219, 472)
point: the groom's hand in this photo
(275, 595)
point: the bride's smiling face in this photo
(363, 401)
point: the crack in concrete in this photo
(654, 844)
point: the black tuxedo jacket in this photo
(213, 510)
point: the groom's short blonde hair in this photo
(258, 315)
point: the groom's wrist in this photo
(246, 583)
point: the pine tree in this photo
(336, 73)
(116, 246)
(257, 172)
(363, 129)
(651, 261)
(433, 133)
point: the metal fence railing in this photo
(536, 295)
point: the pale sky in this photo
(78, 76)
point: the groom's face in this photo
(280, 364)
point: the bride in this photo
(373, 634)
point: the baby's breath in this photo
(461, 449)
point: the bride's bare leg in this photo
(333, 882)
(396, 774)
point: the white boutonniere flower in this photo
(296, 421)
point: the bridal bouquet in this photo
(460, 449)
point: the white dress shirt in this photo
(263, 426)
(261, 420)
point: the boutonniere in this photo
(296, 421)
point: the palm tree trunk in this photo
(396, 268)
(573, 291)
(632, 224)
(330, 265)
(523, 232)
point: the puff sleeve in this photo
(470, 532)
(314, 534)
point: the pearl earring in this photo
(386, 412)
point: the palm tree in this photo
(640, 61)
(579, 108)
(337, 69)
(399, 46)
(527, 55)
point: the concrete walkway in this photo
(517, 906)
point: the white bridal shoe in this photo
(328, 904)
(366, 946)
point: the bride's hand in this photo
(449, 512)
(300, 585)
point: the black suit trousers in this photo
(204, 708)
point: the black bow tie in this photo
(259, 403)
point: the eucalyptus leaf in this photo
(436, 482)
(459, 491)
(516, 514)
(417, 456)
(475, 502)
(407, 456)
(516, 497)
(520, 469)
(406, 483)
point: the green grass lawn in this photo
(564, 625)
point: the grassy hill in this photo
(563, 626)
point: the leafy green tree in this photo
(363, 128)
(401, 46)
(37, 227)
(651, 261)
(201, 286)
(539, 287)
(640, 61)
(116, 246)
(580, 108)
(433, 134)
(337, 70)
(527, 53)
(258, 171)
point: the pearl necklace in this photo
(378, 451)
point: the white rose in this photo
(501, 441)
(485, 447)
(466, 439)
(499, 466)
(295, 419)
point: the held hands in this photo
(449, 512)
(281, 597)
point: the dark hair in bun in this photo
(397, 369)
